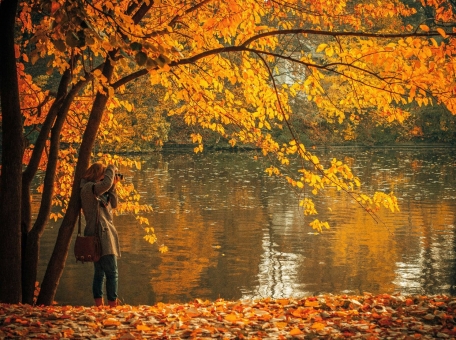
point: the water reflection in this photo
(235, 233)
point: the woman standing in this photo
(98, 198)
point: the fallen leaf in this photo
(111, 322)
(231, 317)
(318, 326)
(296, 331)
(143, 328)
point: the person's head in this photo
(95, 172)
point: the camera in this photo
(120, 176)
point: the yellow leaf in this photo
(203, 83)
(321, 47)
(231, 317)
(329, 52)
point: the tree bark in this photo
(60, 253)
(32, 247)
(12, 151)
(26, 207)
(32, 167)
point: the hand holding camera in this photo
(118, 177)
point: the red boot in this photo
(112, 303)
(99, 302)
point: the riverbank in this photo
(189, 148)
(368, 316)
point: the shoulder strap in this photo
(97, 224)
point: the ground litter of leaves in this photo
(321, 317)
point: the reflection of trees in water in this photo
(355, 255)
(234, 232)
(275, 267)
(277, 275)
(205, 207)
(427, 266)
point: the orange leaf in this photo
(111, 322)
(295, 331)
(143, 328)
(193, 312)
(312, 303)
(283, 302)
(281, 325)
(231, 317)
(442, 32)
(54, 7)
(424, 28)
(318, 325)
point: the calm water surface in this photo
(235, 233)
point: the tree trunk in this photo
(32, 167)
(12, 150)
(26, 207)
(32, 248)
(60, 253)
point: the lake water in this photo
(235, 233)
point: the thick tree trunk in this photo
(31, 253)
(59, 255)
(12, 150)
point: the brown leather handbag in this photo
(88, 248)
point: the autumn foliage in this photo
(365, 316)
(232, 67)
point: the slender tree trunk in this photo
(32, 167)
(59, 255)
(26, 208)
(32, 248)
(12, 150)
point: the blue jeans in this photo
(107, 265)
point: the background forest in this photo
(425, 124)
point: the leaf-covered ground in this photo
(323, 317)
